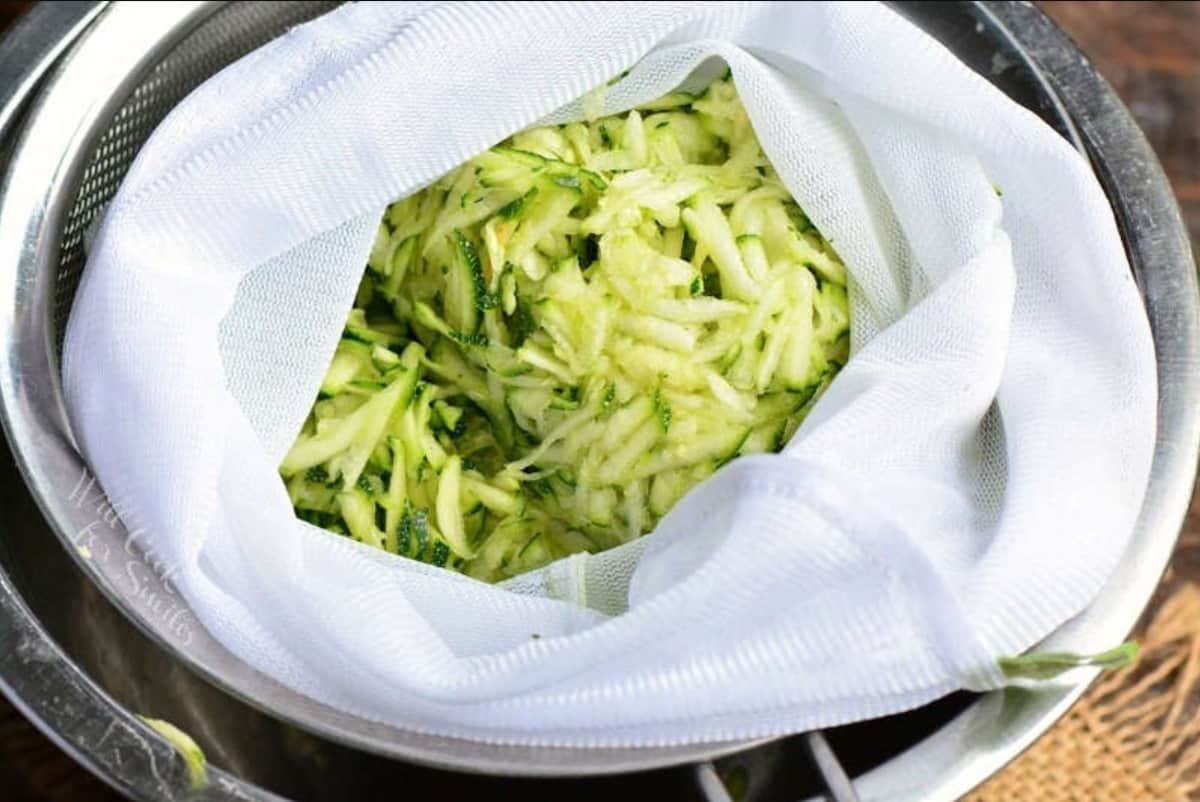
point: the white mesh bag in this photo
(964, 487)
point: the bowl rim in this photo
(45, 172)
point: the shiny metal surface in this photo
(33, 46)
(47, 186)
(45, 683)
(131, 64)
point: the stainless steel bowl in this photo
(81, 87)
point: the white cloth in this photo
(965, 486)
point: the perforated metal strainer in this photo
(117, 69)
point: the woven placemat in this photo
(1135, 736)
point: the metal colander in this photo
(82, 86)
(224, 36)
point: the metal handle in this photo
(838, 786)
(711, 787)
(836, 780)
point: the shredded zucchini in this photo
(556, 341)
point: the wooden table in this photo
(1149, 51)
